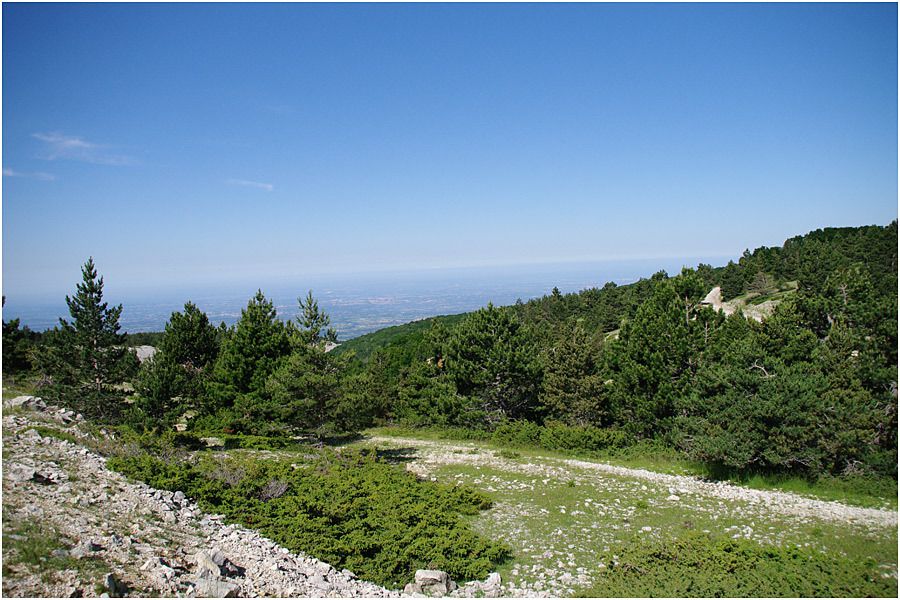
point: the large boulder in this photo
(208, 587)
(207, 565)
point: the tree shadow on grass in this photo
(343, 439)
(397, 455)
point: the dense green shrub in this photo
(518, 433)
(556, 436)
(350, 509)
(696, 565)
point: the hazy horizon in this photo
(359, 305)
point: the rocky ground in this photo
(116, 537)
(73, 528)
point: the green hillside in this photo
(409, 334)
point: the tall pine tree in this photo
(86, 357)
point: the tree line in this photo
(811, 390)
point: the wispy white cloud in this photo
(58, 145)
(254, 184)
(7, 172)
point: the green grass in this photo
(700, 565)
(776, 292)
(32, 544)
(560, 517)
(54, 433)
(870, 492)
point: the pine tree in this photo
(86, 357)
(314, 324)
(190, 339)
(16, 346)
(173, 381)
(253, 349)
(492, 358)
(572, 387)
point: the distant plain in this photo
(364, 302)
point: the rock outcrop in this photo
(145, 541)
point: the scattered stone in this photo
(432, 582)
(26, 402)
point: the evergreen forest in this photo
(810, 390)
(807, 391)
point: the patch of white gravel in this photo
(774, 502)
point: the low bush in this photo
(349, 509)
(696, 565)
(259, 442)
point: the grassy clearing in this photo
(563, 522)
(54, 433)
(869, 492)
(36, 548)
(19, 385)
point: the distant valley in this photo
(359, 305)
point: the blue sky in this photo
(192, 144)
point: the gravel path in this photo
(435, 453)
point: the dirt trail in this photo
(434, 453)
